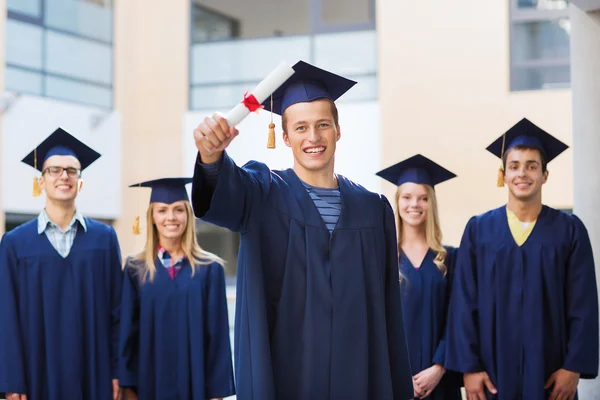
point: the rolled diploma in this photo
(262, 91)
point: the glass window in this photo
(88, 18)
(61, 49)
(23, 44)
(31, 8)
(543, 4)
(541, 40)
(78, 58)
(18, 80)
(209, 25)
(540, 44)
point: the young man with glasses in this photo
(60, 289)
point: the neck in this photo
(172, 246)
(323, 178)
(525, 210)
(61, 213)
(413, 236)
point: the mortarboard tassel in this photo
(37, 190)
(500, 181)
(135, 229)
(136, 226)
(271, 138)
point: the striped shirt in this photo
(167, 261)
(327, 201)
(61, 240)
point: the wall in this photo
(151, 91)
(443, 87)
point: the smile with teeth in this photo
(314, 150)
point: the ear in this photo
(545, 176)
(338, 135)
(42, 182)
(286, 139)
(79, 185)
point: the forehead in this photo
(62, 161)
(307, 111)
(414, 189)
(180, 203)
(523, 155)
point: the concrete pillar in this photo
(585, 83)
(151, 92)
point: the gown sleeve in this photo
(129, 330)
(462, 334)
(12, 368)
(581, 305)
(230, 201)
(398, 350)
(219, 368)
(439, 356)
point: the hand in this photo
(16, 396)
(212, 137)
(129, 394)
(474, 385)
(117, 395)
(427, 380)
(565, 384)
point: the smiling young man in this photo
(60, 289)
(318, 312)
(523, 319)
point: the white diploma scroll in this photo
(261, 92)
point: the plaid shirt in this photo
(172, 267)
(61, 240)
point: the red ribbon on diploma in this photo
(251, 103)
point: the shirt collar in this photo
(44, 221)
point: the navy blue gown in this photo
(174, 340)
(318, 314)
(521, 313)
(425, 298)
(62, 314)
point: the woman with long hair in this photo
(174, 335)
(426, 268)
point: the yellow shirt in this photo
(520, 231)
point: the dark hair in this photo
(334, 113)
(542, 156)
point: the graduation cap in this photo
(164, 190)
(416, 169)
(59, 143)
(526, 133)
(309, 83)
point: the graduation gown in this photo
(425, 297)
(521, 313)
(318, 315)
(61, 315)
(174, 340)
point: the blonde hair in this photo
(192, 250)
(433, 232)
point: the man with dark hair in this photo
(318, 312)
(523, 318)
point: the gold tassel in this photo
(271, 137)
(37, 190)
(136, 226)
(271, 140)
(500, 179)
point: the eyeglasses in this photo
(57, 172)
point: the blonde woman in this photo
(425, 271)
(174, 338)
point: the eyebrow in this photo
(526, 162)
